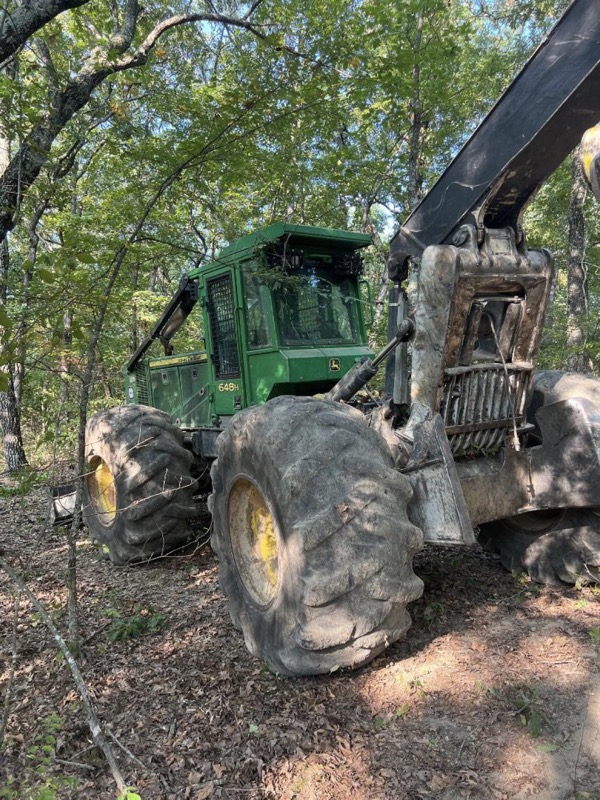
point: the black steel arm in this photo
(177, 310)
(532, 128)
(361, 373)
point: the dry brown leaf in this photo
(387, 773)
(205, 791)
(219, 770)
(439, 782)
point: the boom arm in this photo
(536, 123)
(172, 318)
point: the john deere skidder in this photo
(320, 502)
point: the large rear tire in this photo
(314, 543)
(554, 547)
(138, 492)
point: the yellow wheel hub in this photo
(101, 484)
(253, 534)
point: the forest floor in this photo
(494, 693)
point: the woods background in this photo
(135, 142)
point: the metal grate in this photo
(221, 314)
(480, 403)
(141, 381)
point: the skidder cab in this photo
(282, 314)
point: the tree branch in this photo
(140, 56)
(123, 37)
(252, 9)
(28, 18)
(92, 719)
(33, 153)
(51, 75)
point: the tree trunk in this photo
(10, 425)
(577, 290)
(414, 191)
(10, 421)
(27, 18)
(415, 155)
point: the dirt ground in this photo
(495, 692)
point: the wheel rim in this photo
(253, 534)
(537, 521)
(101, 484)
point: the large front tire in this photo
(138, 492)
(311, 531)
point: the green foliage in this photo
(40, 783)
(23, 483)
(143, 621)
(433, 613)
(129, 793)
(219, 134)
(527, 703)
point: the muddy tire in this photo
(557, 546)
(553, 547)
(314, 543)
(138, 492)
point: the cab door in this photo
(224, 344)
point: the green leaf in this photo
(85, 258)
(548, 747)
(535, 723)
(3, 382)
(5, 320)
(129, 793)
(46, 275)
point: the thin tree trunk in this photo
(414, 191)
(10, 425)
(577, 290)
(10, 421)
(415, 157)
(20, 347)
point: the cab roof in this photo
(298, 235)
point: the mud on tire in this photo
(314, 544)
(138, 493)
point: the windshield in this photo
(318, 308)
